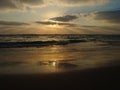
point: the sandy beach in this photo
(106, 78)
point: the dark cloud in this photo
(46, 22)
(18, 4)
(66, 18)
(9, 23)
(6, 4)
(109, 16)
(54, 23)
(112, 17)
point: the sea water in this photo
(35, 54)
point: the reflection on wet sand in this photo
(53, 59)
(58, 64)
(36, 60)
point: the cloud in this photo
(19, 4)
(46, 22)
(32, 2)
(66, 18)
(109, 16)
(6, 4)
(9, 23)
(102, 18)
(22, 4)
(83, 2)
(54, 23)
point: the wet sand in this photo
(107, 78)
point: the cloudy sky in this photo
(59, 16)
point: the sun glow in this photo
(54, 26)
(51, 14)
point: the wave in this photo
(21, 41)
(37, 43)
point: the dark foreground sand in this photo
(107, 78)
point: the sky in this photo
(59, 16)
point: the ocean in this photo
(54, 53)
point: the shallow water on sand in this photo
(59, 58)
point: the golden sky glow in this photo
(59, 17)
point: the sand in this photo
(107, 78)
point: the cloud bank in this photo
(22, 4)
(54, 23)
(109, 16)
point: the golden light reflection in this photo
(54, 63)
(55, 54)
(52, 53)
